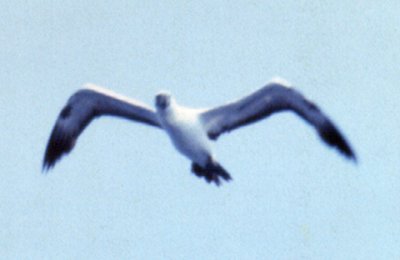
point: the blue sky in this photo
(124, 192)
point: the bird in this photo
(191, 130)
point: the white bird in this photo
(191, 130)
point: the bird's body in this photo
(190, 130)
(186, 132)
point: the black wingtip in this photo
(331, 135)
(50, 156)
(48, 163)
(58, 145)
(49, 159)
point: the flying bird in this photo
(190, 130)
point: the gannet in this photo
(190, 130)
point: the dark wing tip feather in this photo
(331, 135)
(58, 145)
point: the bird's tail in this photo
(212, 172)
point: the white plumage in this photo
(186, 131)
(190, 130)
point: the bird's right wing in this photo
(81, 108)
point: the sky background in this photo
(124, 193)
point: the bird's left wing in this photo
(85, 105)
(274, 97)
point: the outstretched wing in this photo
(274, 97)
(81, 108)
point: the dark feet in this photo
(211, 173)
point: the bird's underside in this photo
(93, 102)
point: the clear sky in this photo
(124, 192)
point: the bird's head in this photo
(163, 100)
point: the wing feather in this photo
(272, 98)
(81, 108)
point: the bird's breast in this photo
(188, 135)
